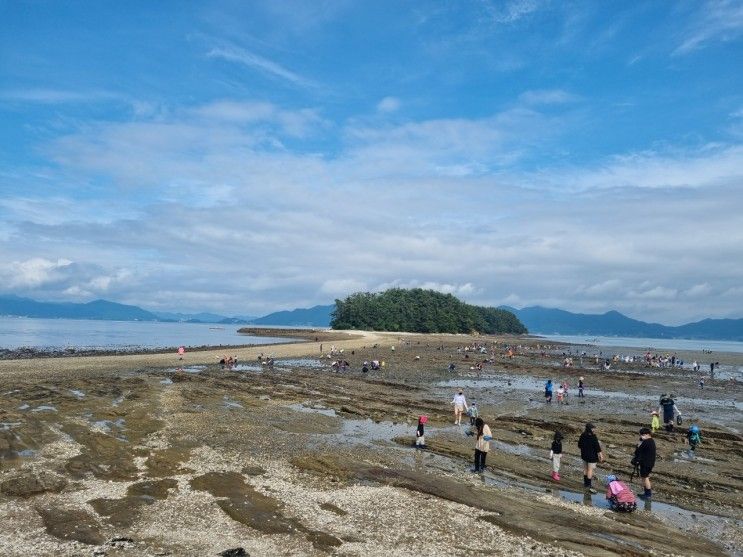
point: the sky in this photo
(247, 157)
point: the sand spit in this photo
(136, 455)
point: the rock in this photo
(236, 552)
(253, 471)
(29, 484)
(71, 524)
(333, 509)
(264, 397)
(158, 489)
(323, 540)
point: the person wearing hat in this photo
(668, 409)
(460, 406)
(591, 453)
(654, 421)
(644, 460)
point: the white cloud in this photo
(602, 289)
(466, 290)
(513, 10)
(698, 290)
(31, 273)
(547, 96)
(713, 165)
(657, 293)
(252, 60)
(58, 96)
(388, 104)
(296, 123)
(342, 287)
(716, 20)
(229, 221)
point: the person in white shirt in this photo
(460, 407)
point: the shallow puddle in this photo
(681, 518)
(187, 369)
(300, 407)
(108, 426)
(246, 367)
(44, 408)
(301, 362)
(536, 387)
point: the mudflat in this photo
(147, 454)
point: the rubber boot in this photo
(555, 476)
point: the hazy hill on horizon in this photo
(97, 309)
(316, 316)
(536, 318)
(612, 323)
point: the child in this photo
(580, 388)
(566, 386)
(560, 394)
(620, 496)
(654, 421)
(548, 391)
(473, 413)
(420, 440)
(694, 437)
(556, 455)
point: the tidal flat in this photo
(147, 454)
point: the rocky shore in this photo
(145, 454)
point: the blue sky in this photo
(246, 157)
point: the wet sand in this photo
(174, 457)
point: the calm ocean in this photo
(16, 332)
(653, 343)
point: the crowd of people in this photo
(618, 494)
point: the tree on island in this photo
(420, 311)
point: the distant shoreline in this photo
(290, 336)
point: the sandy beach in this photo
(146, 454)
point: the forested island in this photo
(420, 311)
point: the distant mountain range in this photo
(203, 317)
(537, 319)
(317, 316)
(104, 310)
(98, 309)
(612, 323)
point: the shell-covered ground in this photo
(152, 455)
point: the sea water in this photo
(18, 332)
(650, 343)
